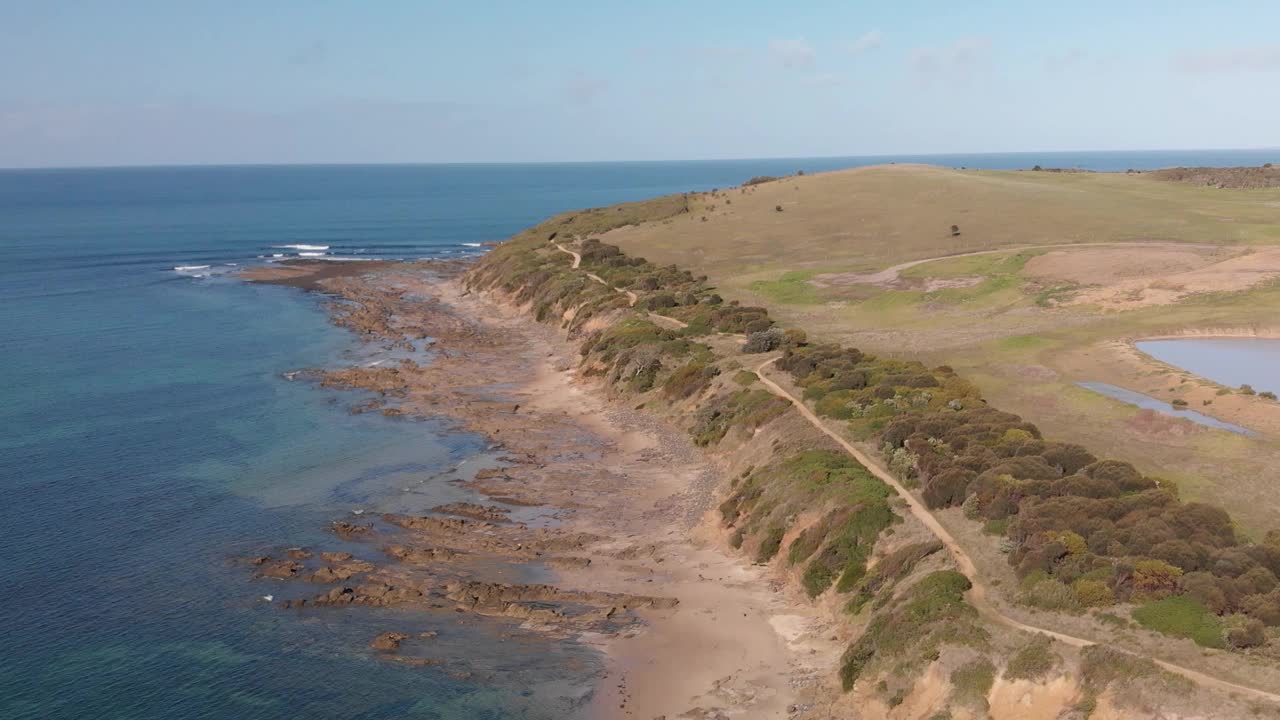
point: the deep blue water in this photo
(148, 438)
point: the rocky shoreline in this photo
(618, 541)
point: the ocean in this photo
(150, 439)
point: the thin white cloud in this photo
(793, 53)
(1249, 59)
(1065, 60)
(961, 56)
(867, 41)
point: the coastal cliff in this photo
(921, 640)
(771, 526)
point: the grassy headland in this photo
(1080, 531)
(1071, 265)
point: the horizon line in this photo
(412, 163)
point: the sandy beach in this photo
(686, 628)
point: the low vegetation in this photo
(1032, 661)
(1263, 176)
(1182, 616)
(835, 548)
(912, 628)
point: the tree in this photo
(1154, 579)
(947, 488)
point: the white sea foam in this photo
(472, 244)
(311, 254)
(302, 247)
(186, 268)
(277, 254)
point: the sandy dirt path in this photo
(892, 274)
(632, 298)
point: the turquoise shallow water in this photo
(148, 437)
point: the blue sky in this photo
(131, 82)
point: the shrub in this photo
(892, 568)
(1181, 616)
(744, 377)
(777, 208)
(1250, 634)
(1154, 579)
(1032, 661)
(850, 542)
(930, 613)
(770, 545)
(947, 488)
(1101, 666)
(973, 680)
(1246, 389)
(1093, 593)
(689, 379)
(763, 341)
(1015, 436)
(1267, 394)
(1050, 594)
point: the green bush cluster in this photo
(747, 408)
(690, 379)
(891, 568)
(928, 615)
(972, 681)
(1033, 660)
(1099, 530)
(836, 547)
(846, 384)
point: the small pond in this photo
(1147, 402)
(1230, 361)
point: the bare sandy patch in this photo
(1118, 278)
(1026, 700)
(1110, 265)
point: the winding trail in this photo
(977, 594)
(632, 298)
(892, 274)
